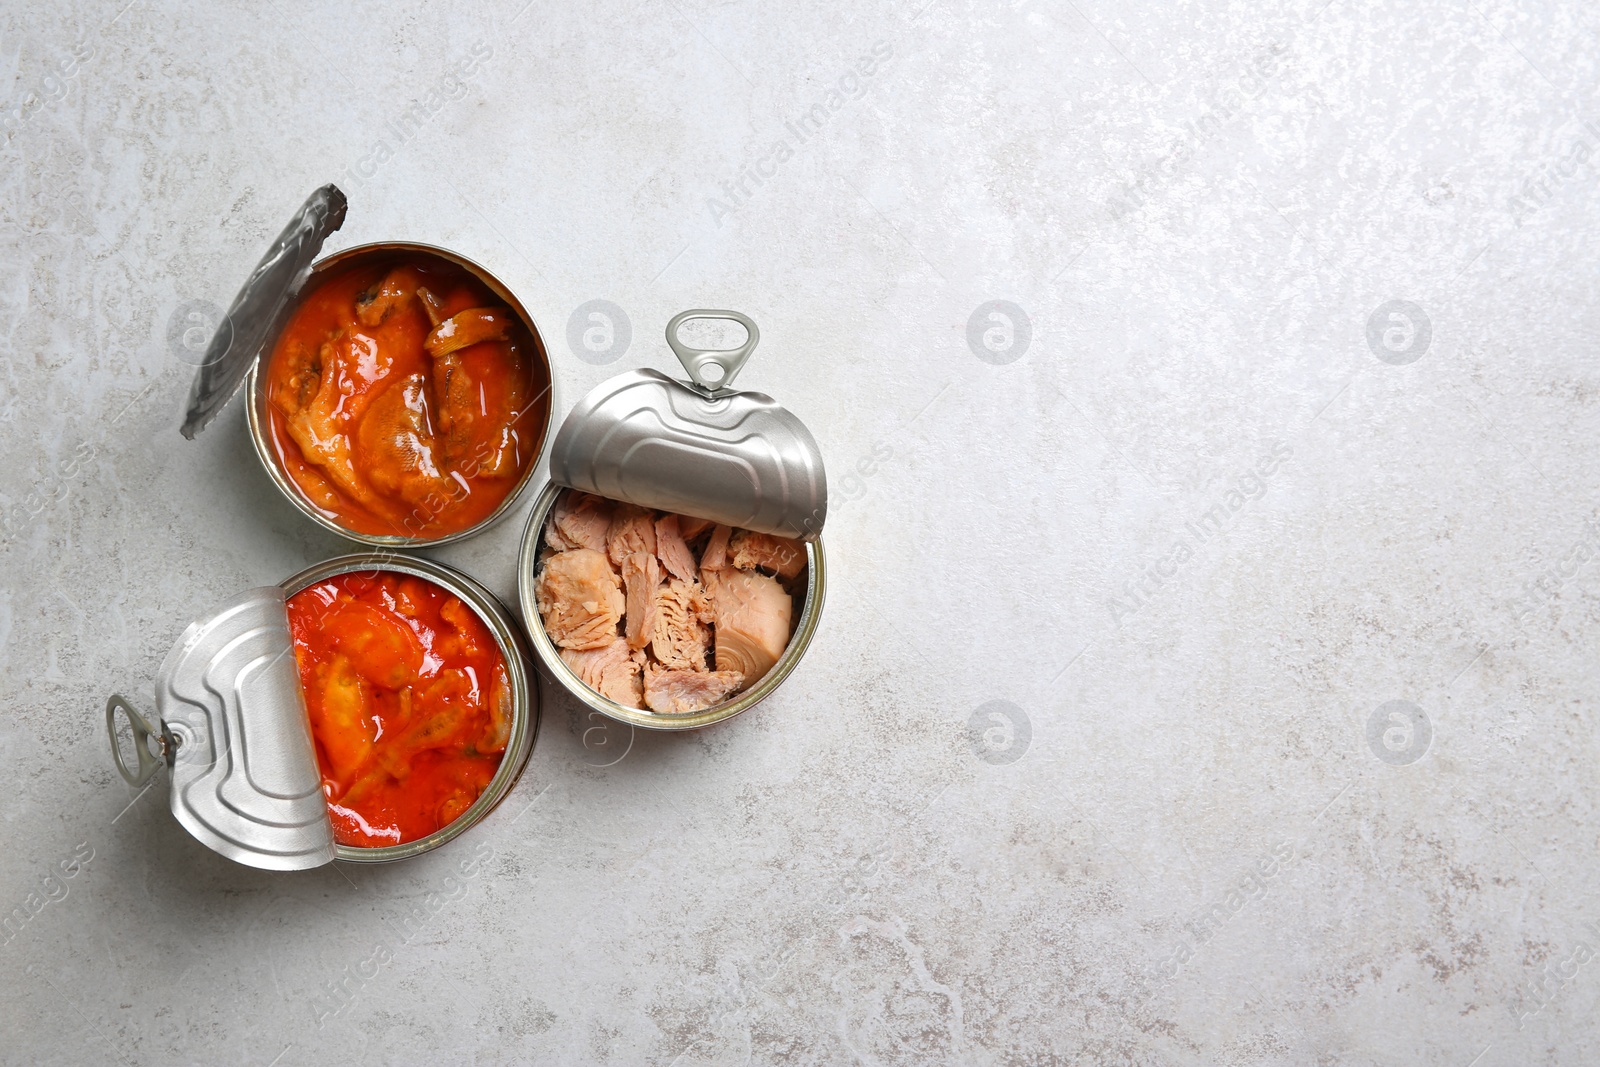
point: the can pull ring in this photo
(712, 369)
(142, 731)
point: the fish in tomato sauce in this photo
(409, 700)
(402, 400)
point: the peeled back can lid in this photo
(697, 448)
(244, 768)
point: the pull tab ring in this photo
(712, 369)
(142, 731)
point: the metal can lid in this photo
(698, 448)
(245, 781)
(261, 307)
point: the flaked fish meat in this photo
(670, 692)
(580, 599)
(660, 611)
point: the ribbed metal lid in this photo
(244, 775)
(698, 448)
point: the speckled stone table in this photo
(1210, 399)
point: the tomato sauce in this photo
(402, 398)
(409, 699)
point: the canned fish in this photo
(399, 393)
(411, 645)
(672, 573)
(447, 440)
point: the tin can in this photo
(232, 729)
(697, 448)
(258, 404)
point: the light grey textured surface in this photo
(1202, 836)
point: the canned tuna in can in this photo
(266, 711)
(672, 573)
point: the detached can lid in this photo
(699, 448)
(234, 731)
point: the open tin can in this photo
(428, 502)
(231, 726)
(376, 256)
(700, 449)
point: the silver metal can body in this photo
(260, 420)
(814, 584)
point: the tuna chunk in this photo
(715, 557)
(578, 520)
(692, 528)
(752, 618)
(641, 574)
(749, 550)
(671, 548)
(681, 638)
(580, 599)
(632, 530)
(610, 670)
(680, 692)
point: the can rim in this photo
(525, 695)
(256, 413)
(549, 657)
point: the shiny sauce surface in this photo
(409, 700)
(402, 398)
